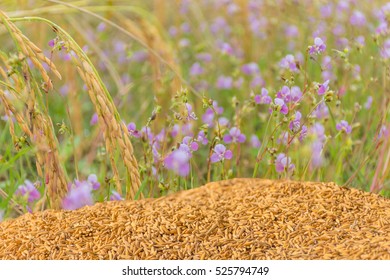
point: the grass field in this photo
(109, 100)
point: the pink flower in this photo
(283, 162)
(234, 136)
(323, 88)
(344, 126)
(220, 153)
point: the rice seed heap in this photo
(236, 219)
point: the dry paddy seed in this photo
(235, 219)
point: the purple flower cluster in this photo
(283, 163)
(80, 193)
(29, 191)
(318, 47)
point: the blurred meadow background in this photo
(109, 100)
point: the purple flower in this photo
(280, 106)
(385, 50)
(316, 157)
(175, 130)
(283, 162)
(202, 138)
(189, 141)
(319, 131)
(205, 57)
(131, 128)
(360, 41)
(323, 88)
(357, 19)
(288, 62)
(208, 117)
(326, 10)
(147, 134)
(93, 181)
(94, 119)
(234, 136)
(284, 94)
(29, 190)
(226, 48)
(178, 161)
(220, 153)
(78, 196)
(383, 132)
(321, 111)
(263, 98)
(255, 142)
(303, 133)
(101, 27)
(257, 81)
(250, 68)
(190, 113)
(368, 103)
(295, 124)
(223, 122)
(224, 82)
(52, 43)
(344, 126)
(196, 69)
(295, 94)
(115, 196)
(139, 56)
(318, 47)
(291, 31)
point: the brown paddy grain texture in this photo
(236, 219)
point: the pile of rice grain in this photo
(236, 219)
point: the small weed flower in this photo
(93, 181)
(178, 161)
(255, 142)
(78, 196)
(295, 94)
(94, 119)
(289, 62)
(383, 132)
(190, 113)
(115, 196)
(295, 124)
(280, 106)
(234, 136)
(317, 158)
(220, 153)
(196, 69)
(318, 47)
(264, 98)
(283, 163)
(28, 189)
(202, 138)
(189, 141)
(368, 103)
(250, 68)
(357, 19)
(322, 111)
(205, 57)
(223, 122)
(224, 82)
(208, 117)
(131, 128)
(303, 133)
(284, 94)
(344, 126)
(323, 88)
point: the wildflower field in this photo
(112, 100)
